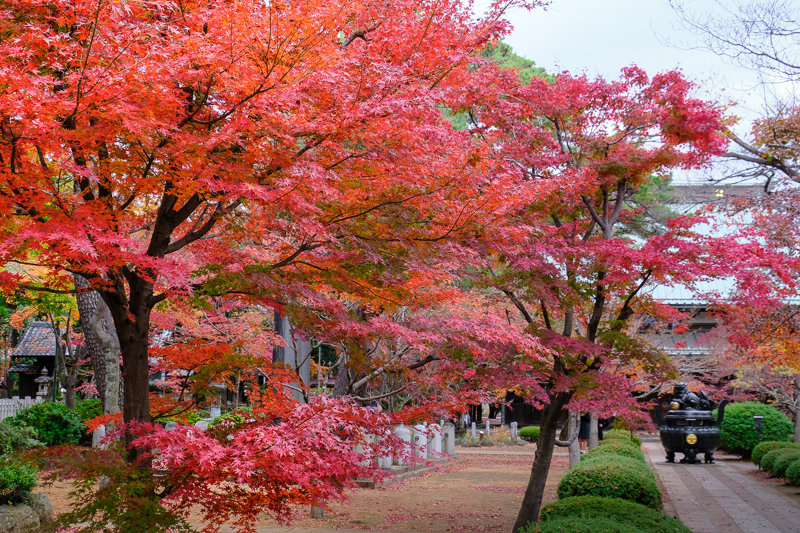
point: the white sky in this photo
(599, 37)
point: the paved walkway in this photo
(724, 497)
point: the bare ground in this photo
(481, 491)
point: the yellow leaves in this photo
(17, 320)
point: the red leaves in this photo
(270, 462)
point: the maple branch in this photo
(380, 396)
(378, 206)
(545, 315)
(618, 204)
(424, 361)
(53, 291)
(195, 234)
(757, 157)
(626, 310)
(599, 306)
(595, 215)
(257, 91)
(358, 34)
(363, 381)
(518, 304)
(305, 247)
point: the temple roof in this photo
(37, 341)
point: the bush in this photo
(760, 450)
(88, 409)
(530, 433)
(793, 474)
(16, 482)
(15, 436)
(54, 423)
(784, 460)
(569, 524)
(738, 434)
(233, 418)
(637, 515)
(612, 477)
(622, 434)
(769, 459)
(617, 447)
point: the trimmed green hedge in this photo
(16, 482)
(771, 458)
(568, 524)
(784, 460)
(54, 423)
(622, 511)
(622, 434)
(738, 434)
(760, 450)
(612, 477)
(617, 447)
(793, 474)
(530, 433)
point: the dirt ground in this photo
(481, 490)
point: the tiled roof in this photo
(38, 340)
(23, 369)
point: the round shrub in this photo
(617, 447)
(784, 461)
(768, 461)
(632, 513)
(88, 409)
(622, 434)
(530, 433)
(738, 434)
(761, 449)
(612, 477)
(16, 482)
(15, 436)
(568, 524)
(54, 423)
(793, 474)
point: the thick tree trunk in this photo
(102, 345)
(532, 501)
(594, 433)
(136, 372)
(132, 324)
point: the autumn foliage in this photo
(200, 163)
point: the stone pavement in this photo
(724, 497)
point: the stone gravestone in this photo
(435, 446)
(97, 437)
(514, 429)
(403, 433)
(420, 441)
(202, 425)
(450, 440)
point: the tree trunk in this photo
(136, 372)
(797, 426)
(574, 447)
(102, 345)
(532, 501)
(594, 432)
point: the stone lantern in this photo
(43, 381)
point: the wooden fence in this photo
(10, 407)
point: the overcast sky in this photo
(599, 37)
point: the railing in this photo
(10, 407)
